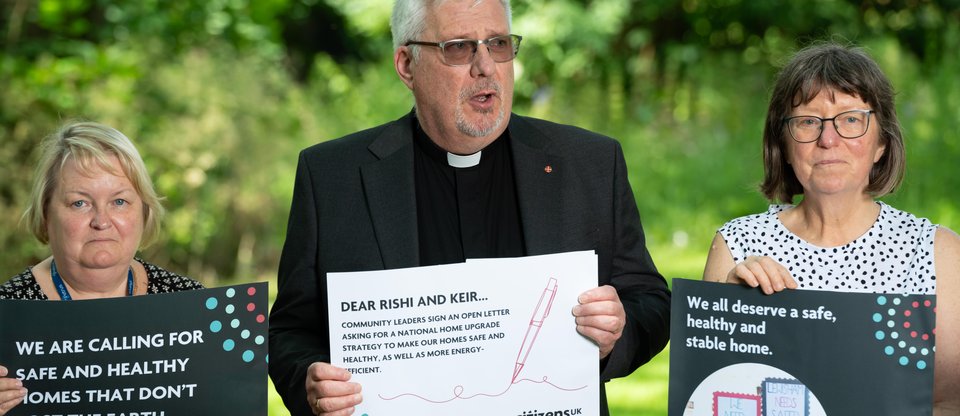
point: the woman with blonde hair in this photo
(94, 205)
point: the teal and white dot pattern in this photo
(241, 328)
(902, 334)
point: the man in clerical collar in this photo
(459, 177)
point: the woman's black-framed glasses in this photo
(457, 52)
(849, 125)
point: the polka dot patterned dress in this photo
(894, 256)
(24, 286)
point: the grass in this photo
(274, 403)
(643, 393)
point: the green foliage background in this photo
(220, 96)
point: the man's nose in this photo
(483, 63)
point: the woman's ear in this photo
(881, 149)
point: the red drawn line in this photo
(540, 314)
(458, 392)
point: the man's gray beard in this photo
(483, 128)
(478, 130)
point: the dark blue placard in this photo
(853, 353)
(201, 352)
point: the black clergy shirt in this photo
(468, 212)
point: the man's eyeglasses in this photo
(849, 125)
(458, 52)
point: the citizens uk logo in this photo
(567, 412)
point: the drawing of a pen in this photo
(536, 321)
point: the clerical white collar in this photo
(463, 161)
